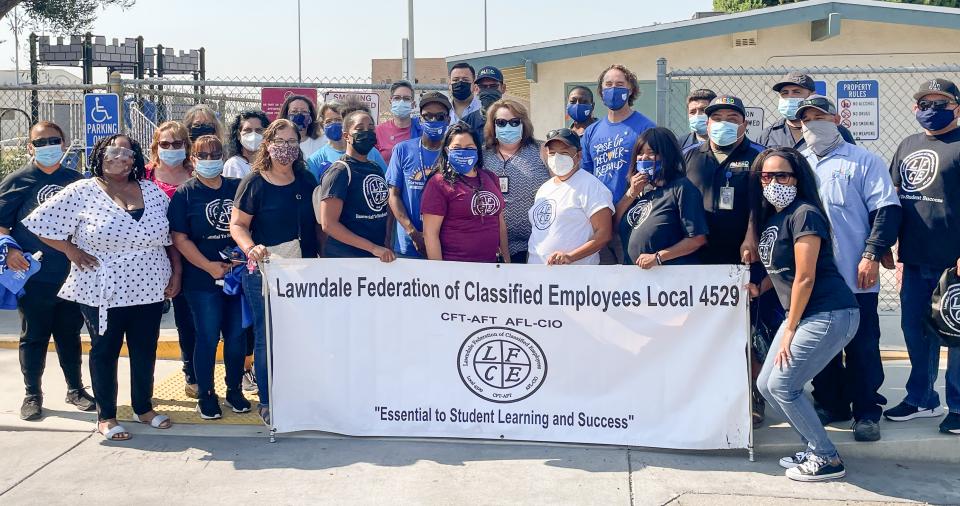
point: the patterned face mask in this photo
(283, 154)
(779, 195)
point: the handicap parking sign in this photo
(101, 115)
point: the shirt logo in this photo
(543, 214)
(218, 214)
(950, 308)
(484, 203)
(47, 191)
(767, 239)
(375, 192)
(918, 170)
(639, 213)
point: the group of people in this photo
(812, 213)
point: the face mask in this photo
(251, 141)
(462, 160)
(821, 136)
(488, 97)
(579, 113)
(172, 156)
(724, 133)
(334, 131)
(649, 167)
(283, 155)
(364, 141)
(198, 131)
(461, 90)
(401, 108)
(698, 124)
(48, 156)
(434, 129)
(560, 164)
(779, 195)
(509, 134)
(301, 120)
(615, 98)
(934, 120)
(208, 168)
(788, 107)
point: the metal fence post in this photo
(662, 91)
(88, 58)
(138, 70)
(161, 108)
(114, 86)
(34, 80)
(203, 73)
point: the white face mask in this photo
(560, 164)
(251, 140)
(779, 195)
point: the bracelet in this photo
(659, 260)
(249, 250)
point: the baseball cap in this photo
(795, 79)
(434, 97)
(726, 102)
(818, 102)
(564, 135)
(490, 73)
(938, 86)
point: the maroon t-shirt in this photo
(471, 209)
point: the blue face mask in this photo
(462, 160)
(209, 168)
(301, 120)
(48, 156)
(434, 129)
(649, 167)
(934, 120)
(724, 133)
(334, 131)
(616, 97)
(698, 124)
(401, 108)
(788, 107)
(509, 134)
(172, 156)
(579, 112)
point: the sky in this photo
(255, 38)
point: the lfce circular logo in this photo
(501, 365)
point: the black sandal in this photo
(264, 414)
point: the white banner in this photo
(589, 354)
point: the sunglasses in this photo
(936, 105)
(118, 152)
(203, 155)
(560, 132)
(819, 103)
(781, 177)
(171, 145)
(46, 141)
(515, 122)
(489, 86)
(434, 116)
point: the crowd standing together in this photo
(189, 219)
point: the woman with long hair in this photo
(246, 134)
(302, 112)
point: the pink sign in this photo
(271, 99)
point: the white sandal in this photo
(114, 431)
(157, 421)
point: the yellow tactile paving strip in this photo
(170, 399)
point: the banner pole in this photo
(268, 327)
(751, 455)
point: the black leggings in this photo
(42, 313)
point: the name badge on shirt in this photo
(504, 184)
(726, 198)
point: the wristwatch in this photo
(870, 256)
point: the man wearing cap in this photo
(572, 214)
(864, 214)
(720, 169)
(462, 76)
(489, 87)
(697, 103)
(926, 171)
(410, 164)
(793, 89)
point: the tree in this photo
(62, 16)
(746, 5)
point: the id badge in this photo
(504, 184)
(726, 198)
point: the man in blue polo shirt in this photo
(865, 215)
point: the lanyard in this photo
(423, 168)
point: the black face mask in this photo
(461, 90)
(488, 97)
(364, 141)
(200, 130)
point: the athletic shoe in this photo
(249, 382)
(815, 468)
(208, 405)
(827, 417)
(237, 402)
(903, 412)
(31, 408)
(81, 399)
(951, 424)
(794, 460)
(191, 390)
(866, 430)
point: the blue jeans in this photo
(217, 314)
(818, 339)
(922, 346)
(253, 290)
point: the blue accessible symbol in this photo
(101, 113)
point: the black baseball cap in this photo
(795, 79)
(726, 102)
(938, 86)
(489, 73)
(564, 135)
(434, 97)
(818, 102)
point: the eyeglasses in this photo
(171, 145)
(434, 116)
(118, 152)
(489, 86)
(515, 122)
(781, 177)
(285, 142)
(936, 105)
(202, 155)
(46, 141)
(402, 98)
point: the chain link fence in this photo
(893, 115)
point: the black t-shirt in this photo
(280, 213)
(363, 191)
(830, 291)
(203, 213)
(728, 227)
(661, 218)
(20, 193)
(926, 169)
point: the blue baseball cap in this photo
(490, 73)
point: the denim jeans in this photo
(818, 338)
(253, 290)
(43, 314)
(922, 346)
(187, 335)
(220, 316)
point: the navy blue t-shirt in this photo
(203, 214)
(661, 218)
